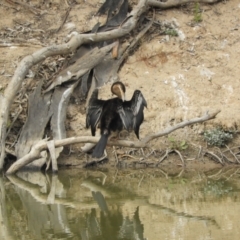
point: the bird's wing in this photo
(94, 111)
(131, 112)
(138, 103)
(126, 116)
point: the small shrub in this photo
(217, 137)
(171, 32)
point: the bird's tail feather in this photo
(100, 147)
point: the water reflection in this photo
(137, 204)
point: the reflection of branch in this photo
(42, 145)
(6, 231)
(43, 198)
(173, 212)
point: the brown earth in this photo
(181, 77)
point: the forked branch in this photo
(42, 145)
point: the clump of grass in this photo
(178, 145)
(197, 13)
(171, 32)
(217, 137)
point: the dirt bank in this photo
(181, 76)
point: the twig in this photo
(104, 178)
(139, 184)
(15, 118)
(233, 174)
(30, 8)
(115, 175)
(174, 3)
(143, 152)
(232, 153)
(215, 156)
(19, 44)
(64, 20)
(165, 155)
(214, 175)
(180, 155)
(115, 154)
(204, 118)
(128, 155)
(10, 152)
(224, 156)
(232, 149)
(199, 153)
(136, 39)
(180, 174)
(164, 173)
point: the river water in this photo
(121, 204)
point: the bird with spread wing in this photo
(115, 114)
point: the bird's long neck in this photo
(118, 89)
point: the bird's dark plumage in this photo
(114, 114)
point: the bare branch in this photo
(175, 3)
(204, 118)
(180, 155)
(42, 145)
(214, 156)
(165, 155)
(30, 8)
(234, 155)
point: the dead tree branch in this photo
(204, 118)
(43, 145)
(175, 3)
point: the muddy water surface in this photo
(121, 204)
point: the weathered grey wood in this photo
(39, 113)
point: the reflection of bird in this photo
(114, 114)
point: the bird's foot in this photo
(97, 161)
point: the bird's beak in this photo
(122, 94)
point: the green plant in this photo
(217, 137)
(176, 144)
(197, 13)
(171, 32)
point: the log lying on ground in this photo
(42, 145)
